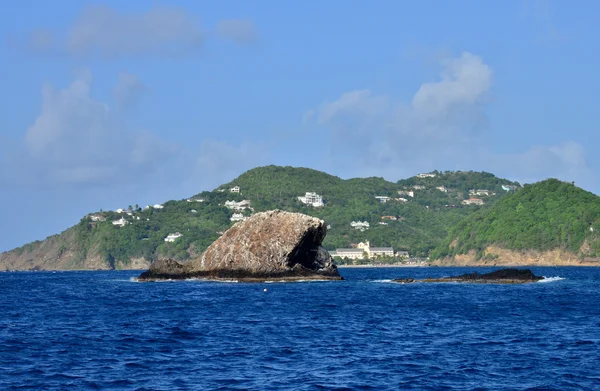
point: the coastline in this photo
(377, 266)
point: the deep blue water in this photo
(99, 330)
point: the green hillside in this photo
(422, 220)
(544, 216)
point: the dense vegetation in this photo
(543, 216)
(422, 221)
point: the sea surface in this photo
(103, 331)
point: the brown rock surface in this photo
(274, 245)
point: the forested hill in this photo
(545, 216)
(413, 214)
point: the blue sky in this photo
(114, 103)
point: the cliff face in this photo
(60, 252)
(269, 245)
(496, 256)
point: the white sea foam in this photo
(288, 281)
(551, 279)
(383, 281)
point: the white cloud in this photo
(128, 90)
(104, 32)
(79, 140)
(443, 126)
(241, 31)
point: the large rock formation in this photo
(274, 245)
(503, 276)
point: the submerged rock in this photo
(503, 276)
(274, 245)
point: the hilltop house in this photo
(419, 187)
(509, 187)
(429, 175)
(121, 222)
(97, 218)
(235, 189)
(363, 250)
(173, 237)
(312, 199)
(473, 201)
(158, 206)
(360, 225)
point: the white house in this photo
(360, 225)
(312, 199)
(121, 222)
(508, 187)
(237, 205)
(195, 200)
(480, 192)
(235, 189)
(419, 187)
(382, 223)
(473, 201)
(401, 199)
(193, 211)
(429, 175)
(120, 210)
(158, 206)
(173, 237)
(409, 193)
(383, 199)
(97, 218)
(237, 217)
(442, 189)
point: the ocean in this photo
(103, 331)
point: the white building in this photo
(97, 218)
(121, 222)
(508, 187)
(173, 237)
(158, 206)
(409, 193)
(382, 223)
(473, 201)
(235, 189)
(401, 199)
(120, 210)
(419, 187)
(442, 189)
(312, 199)
(363, 250)
(429, 175)
(237, 205)
(383, 199)
(480, 192)
(237, 217)
(195, 200)
(360, 225)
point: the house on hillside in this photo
(312, 199)
(419, 187)
(235, 189)
(509, 187)
(473, 201)
(237, 217)
(442, 189)
(388, 218)
(237, 205)
(97, 218)
(400, 199)
(402, 254)
(383, 199)
(428, 175)
(409, 193)
(360, 225)
(195, 200)
(173, 237)
(158, 206)
(121, 222)
(480, 192)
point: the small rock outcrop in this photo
(503, 276)
(274, 245)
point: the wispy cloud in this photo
(443, 126)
